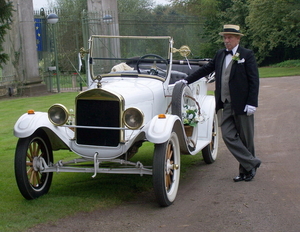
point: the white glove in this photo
(250, 110)
(182, 80)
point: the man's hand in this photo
(250, 110)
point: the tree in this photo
(70, 8)
(207, 12)
(271, 27)
(274, 24)
(6, 9)
(135, 6)
(216, 13)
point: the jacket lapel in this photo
(234, 65)
(220, 65)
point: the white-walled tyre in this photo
(166, 170)
(31, 182)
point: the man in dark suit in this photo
(236, 92)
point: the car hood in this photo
(133, 90)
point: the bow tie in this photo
(228, 52)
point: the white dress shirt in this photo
(228, 58)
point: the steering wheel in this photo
(153, 68)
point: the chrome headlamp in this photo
(58, 114)
(133, 118)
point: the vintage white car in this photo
(134, 95)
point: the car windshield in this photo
(130, 54)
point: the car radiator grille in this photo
(98, 113)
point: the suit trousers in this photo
(238, 135)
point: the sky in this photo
(38, 4)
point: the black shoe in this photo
(239, 178)
(251, 174)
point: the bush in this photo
(288, 64)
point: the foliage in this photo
(6, 10)
(70, 7)
(222, 12)
(273, 23)
(235, 14)
(135, 6)
(216, 13)
(160, 21)
(138, 15)
(288, 64)
(207, 11)
(271, 27)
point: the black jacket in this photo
(243, 82)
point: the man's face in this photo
(230, 41)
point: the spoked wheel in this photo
(210, 152)
(29, 153)
(166, 170)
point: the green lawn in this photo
(286, 68)
(278, 71)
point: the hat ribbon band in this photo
(231, 30)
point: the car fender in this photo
(208, 109)
(160, 128)
(27, 124)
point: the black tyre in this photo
(166, 170)
(209, 153)
(31, 182)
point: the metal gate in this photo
(58, 47)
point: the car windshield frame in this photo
(108, 51)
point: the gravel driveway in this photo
(208, 199)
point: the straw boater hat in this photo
(231, 29)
